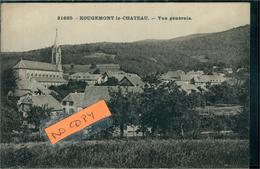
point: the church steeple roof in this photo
(56, 39)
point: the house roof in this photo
(107, 67)
(35, 65)
(87, 76)
(187, 87)
(20, 93)
(31, 85)
(209, 78)
(102, 92)
(48, 100)
(77, 98)
(42, 100)
(186, 77)
(116, 74)
(172, 74)
(199, 72)
(134, 79)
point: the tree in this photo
(63, 90)
(167, 110)
(37, 114)
(223, 93)
(124, 105)
(8, 81)
(240, 123)
(97, 71)
(10, 121)
(152, 78)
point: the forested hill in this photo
(230, 47)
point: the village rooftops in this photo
(187, 87)
(116, 74)
(35, 65)
(199, 72)
(102, 92)
(209, 78)
(40, 101)
(171, 75)
(29, 85)
(76, 98)
(133, 79)
(86, 76)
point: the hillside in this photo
(229, 48)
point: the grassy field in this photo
(132, 153)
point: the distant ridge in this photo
(230, 47)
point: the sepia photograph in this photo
(125, 85)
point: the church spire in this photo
(56, 53)
(56, 38)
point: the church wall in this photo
(20, 73)
(42, 73)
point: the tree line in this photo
(166, 111)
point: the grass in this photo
(131, 153)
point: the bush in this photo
(131, 153)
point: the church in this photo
(48, 74)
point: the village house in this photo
(102, 92)
(208, 79)
(172, 75)
(228, 70)
(108, 67)
(187, 88)
(91, 79)
(72, 102)
(47, 74)
(26, 103)
(115, 74)
(131, 80)
(186, 78)
(29, 87)
(195, 73)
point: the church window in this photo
(35, 75)
(40, 75)
(31, 74)
(50, 75)
(71, 103)
(43, 75)
(63, 103)
(47, 75)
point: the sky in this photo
(28, 26)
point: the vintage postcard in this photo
(125, 85)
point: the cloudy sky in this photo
(31, 26)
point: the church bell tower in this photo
(56, 53)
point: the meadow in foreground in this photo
(128, 153)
